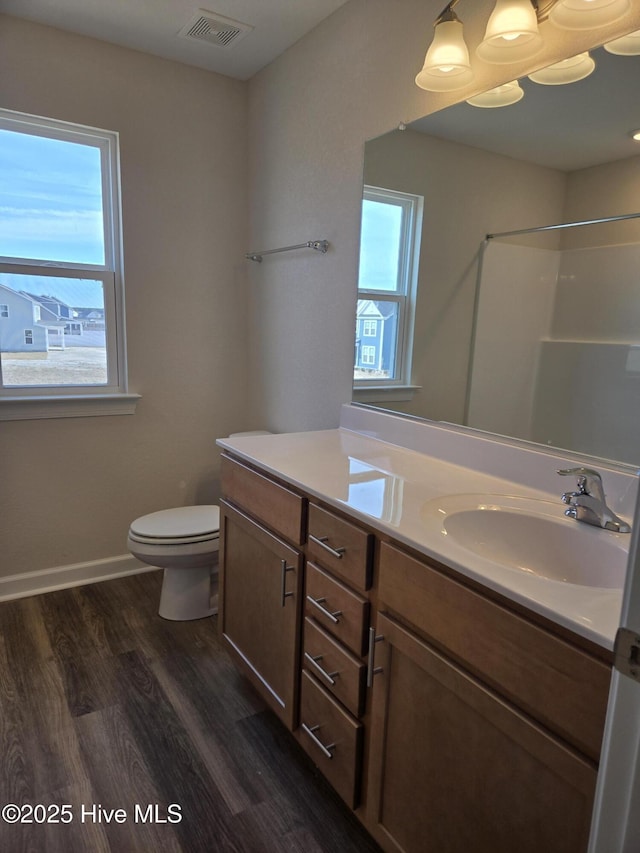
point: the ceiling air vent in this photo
(215, 29)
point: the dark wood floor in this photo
(104, 704)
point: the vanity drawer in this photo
(343, 612)
(340, 672)
(340, 546)
(559, 684)
(265, 500)
(332, 738)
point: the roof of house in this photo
(369, 308)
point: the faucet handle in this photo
(588, 480)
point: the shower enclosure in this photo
(555, 356)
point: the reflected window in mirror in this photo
(390, 246)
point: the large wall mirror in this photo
(533, 335)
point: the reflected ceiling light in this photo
(635, 134)
(500, 96)
(566, 71)
(628, 45)
(446, 65)
(587, 14)
(512, 33)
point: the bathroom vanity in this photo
(454, 704)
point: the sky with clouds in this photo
(51, 210)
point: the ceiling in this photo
(154, 27)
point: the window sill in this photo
(78, 406)
(385, 393)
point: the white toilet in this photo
(184, 542)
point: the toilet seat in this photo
(180, 526)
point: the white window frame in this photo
(4, 310)
(404, 297)
(79, 400)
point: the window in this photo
(389, 250)
(60, 262)
(369, 355)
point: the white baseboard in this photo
(76, 574)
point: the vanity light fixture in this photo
(566, 71)
(587, 14)
(635, 134)
(500, 96)
(512, 35)
(446, 65)
(628, 45)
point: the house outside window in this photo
(389, 252)
(60, 259)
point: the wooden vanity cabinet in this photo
(453, 768)
(483, 728)
(551, 679)
(332, 737)
(340, 546)
(337, 577)
(261, 584)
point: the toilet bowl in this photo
(184, 542)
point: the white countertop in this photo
(388, 486)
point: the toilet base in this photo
(189, 593)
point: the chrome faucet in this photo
(588, 502)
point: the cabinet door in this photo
(260, 607)
(454, 769)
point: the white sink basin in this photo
(532, 536)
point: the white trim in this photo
(60, 406)
(110, 273)
(75, 574)
(385, 393)
(616, 825)
(405, 293)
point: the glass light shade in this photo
(587, 14)
(500, 96)
(628, 45)
(446, 65)
(512, 33)
(566, 71)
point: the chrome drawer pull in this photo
(285, 569)
(317, 741)
(318, 602)
(329, 676)
(322, 541)
(372, 669)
